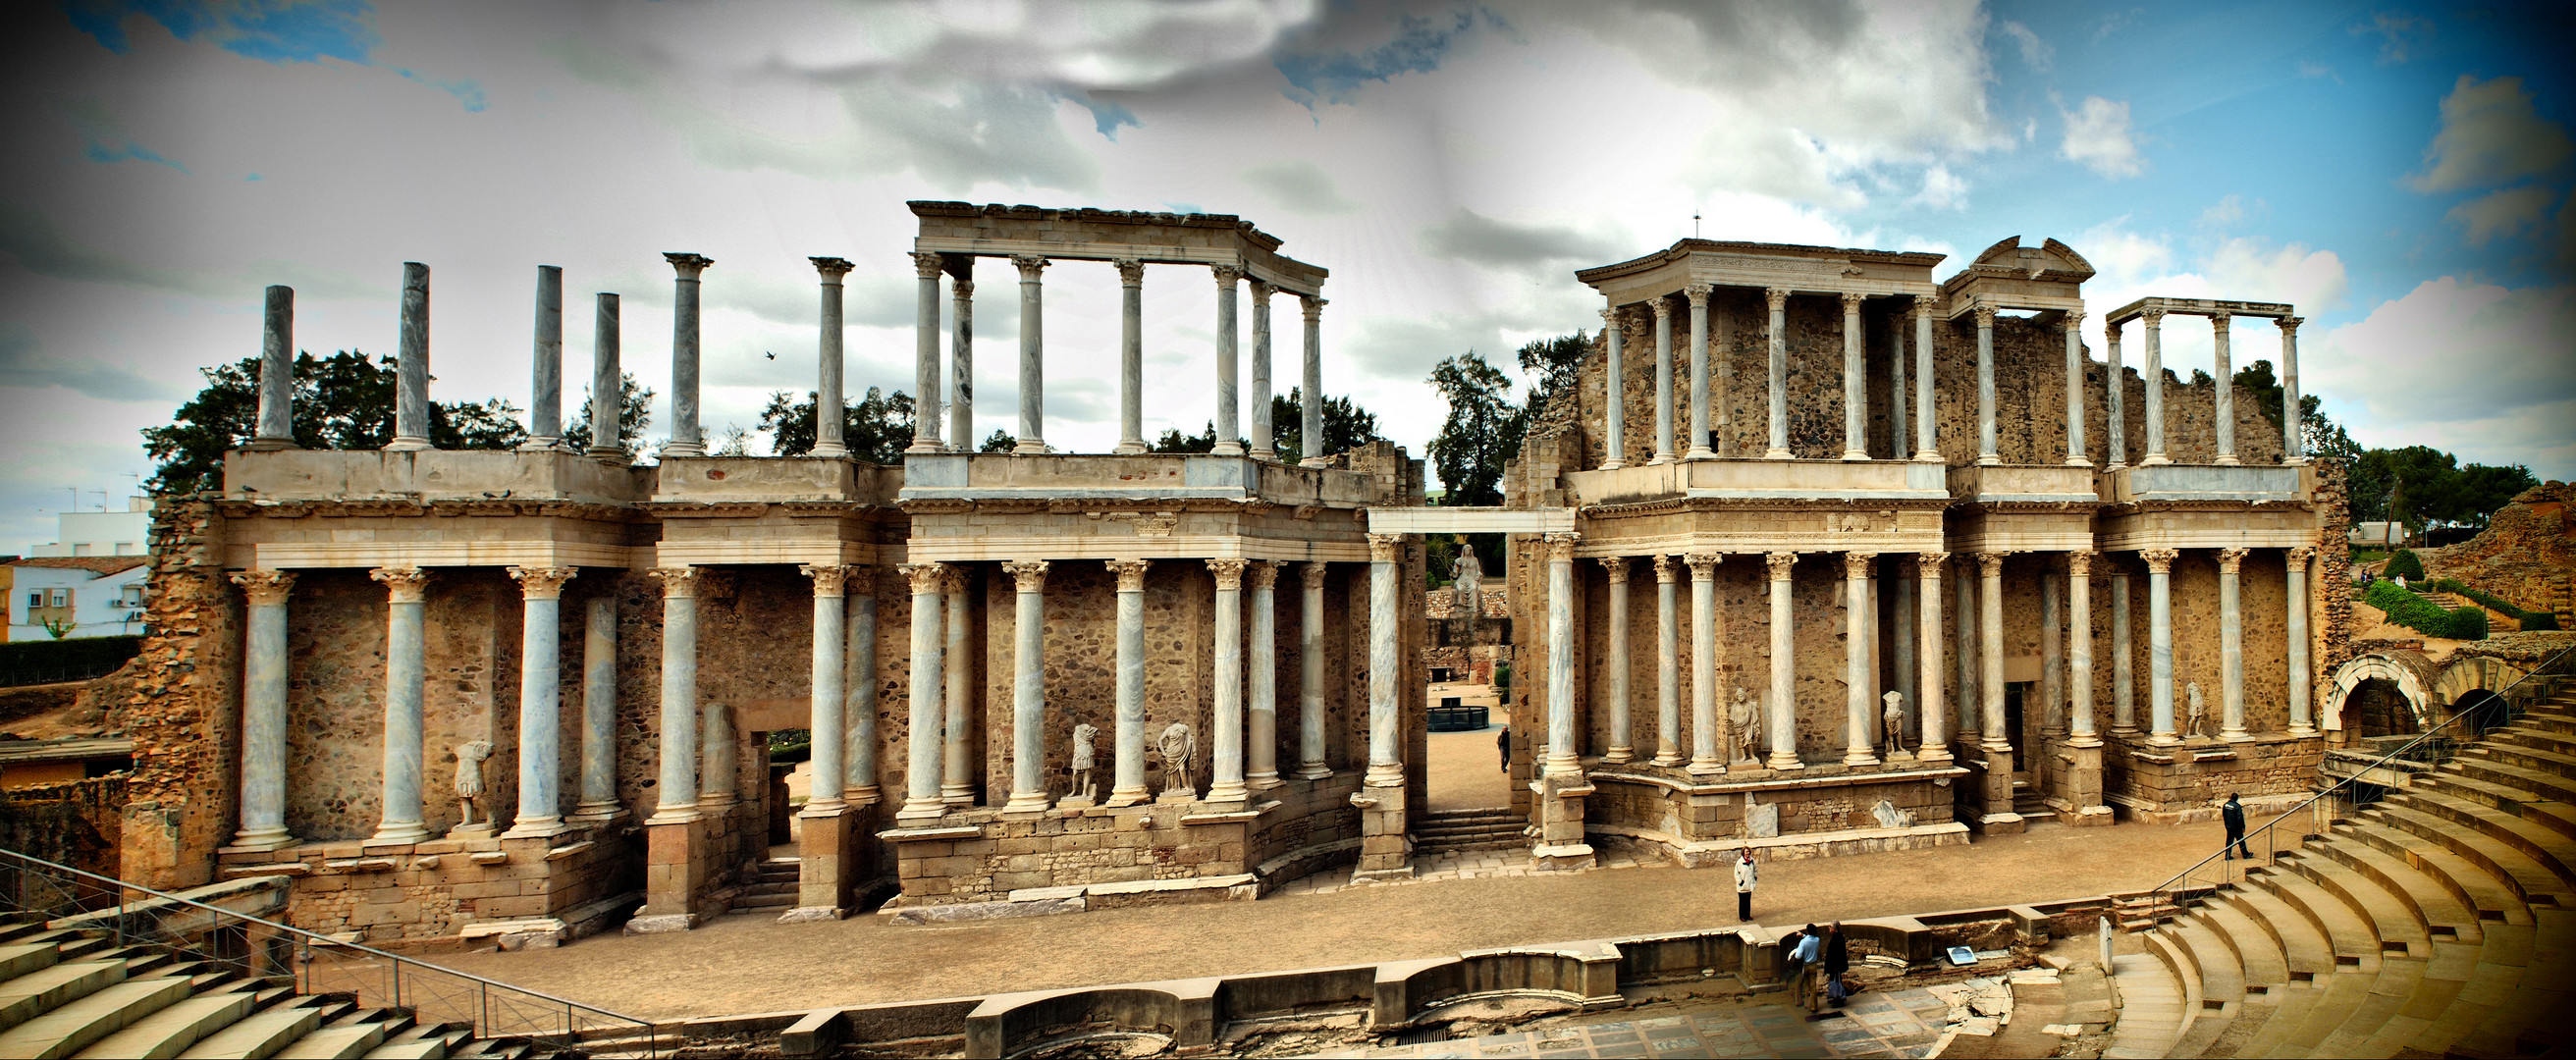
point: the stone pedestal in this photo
(1561, 844)
(1986, 793)
(675, 871)
(2084, 787)
(828, 864)
(1386, 852)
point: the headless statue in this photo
(2198, 718)
(470, 757)
(1894, 719)
(1083, 736)
(1178, 745)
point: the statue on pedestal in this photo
(2196, 724)
(1893, 717)
(1468, 578)
(1178, 745)
(1084, 790)
(470, 757)
(1747, 720)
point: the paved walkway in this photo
(740, 964)
(1875, 1024)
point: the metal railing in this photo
(2427, 749)
(136, 917)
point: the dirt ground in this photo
(741, 964)
(1466, 770)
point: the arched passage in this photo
(2407, 675)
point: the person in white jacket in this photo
(1744, 879)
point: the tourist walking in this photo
(1503, 743)
(2233, 813)
(1744, 880)
(1837, 962)
(1803, 969)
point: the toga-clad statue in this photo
(1893, 717)
(2196, 723)
(1747, 720)
(1178, 745)
(1469, 579)
(1083, 762)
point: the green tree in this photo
(1173, 441)
(343, 401)
(1000, 441)
(1484, 429)
(1346, 425)
(1550, 364)
(634, 413)
(877, 428)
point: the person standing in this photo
(1503, 743)
(1837, 961)
(2233, 813)
(1802, 964)
(1744, 880)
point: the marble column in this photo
(1988, 452)
(1668, 665)
(2075, 390)
(1615, 568)
(411, 367)
(545, 364)
(2052, 653)
(1855, 383)
(400, 821)
(1898, 403)
(1028, 687)
(263, 760)
(1926, 446)
(1931, 712)
(1261, 710)
(2221, 326)
(1777, 338)
(540, 699)
(1564, 750)
(2160, 671)
(2155, 373)
(1707, 757)
(1859, 706)
(1782, 702)
(1264, 446)
(276, 428)
(1971, 700)
(2231, 645)
(607, 384)
(718, 772)
(1310, 676)
(686, 437)
(961, 356)
(1127, 786)
(1902, 639)
(1131, 357)
(922, 760)
(2293, 447)
(1229, 436)
(1032, 357)
(825, 706)
(2124, 684)
(1310, 419)
(1614, 394)
(1385, 761)
(1225, 777)
(676, 792)
(859, 686)
(2301, 679)
(1663, 306)
(1990, 649)
(1697, 293)
(2079, 615)
(925, 354)
(2116, 424)
(957, 773)
(599, 711)
(829, 392)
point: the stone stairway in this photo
(2439, 922)
(1442, 831)
(771, 889)
(2030, 805)
(73, 994)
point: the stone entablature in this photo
(1801, 269)
(1111, 235)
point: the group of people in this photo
(1817, 958)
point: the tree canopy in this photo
(344, 401)
(2420, 485)
(1485, 425)
(877, 427)
(633, 415)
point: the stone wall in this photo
(183, 717)
(2186, 782)
(76, 823)
(2527, 554)
(413, 895)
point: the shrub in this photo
(37, 662)
(2529, 620)
(2404, 563)
(2406, 609)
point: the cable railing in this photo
(259, 949)
(2426, 750)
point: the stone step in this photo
(35, 993)
(2526, 757)
(2390, 990)
(2382, 914)
(172, 1030)
(2554, 852)
(2509, 800)
(2472, 886)
(2151, 1010)
(2553, 786)
(1425, 835)
(2337, 996)
(2266, 970)
(336, 1042)
(2433, 908)
(787, 888)
(2534, 737)
(260, 1034)
(2355, 945)
(2530, 884)
(2217, 984)
(68, 1028)
(2305, 952)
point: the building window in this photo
(132, 597)
(61, 597)
(36, 599)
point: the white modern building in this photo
(82, 596)
(125, 533)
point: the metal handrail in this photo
(2443, 743)
(318, 964)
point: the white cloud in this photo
(1298, 185)
(2477, 369)
(2490, 136)
(2035, 53)
(2503, 213)
(2098, 136)
(2253, 270)
(1942, 190)
(2224, 212)
(2399, 34)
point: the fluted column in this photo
(1229, 436)
(2160, 674)
(2052, 654)
(1988, 452)
(1028, 687)
(1385, 762)
(1127, 787)
(1783, 703)
(1971, 700)
(1668, 716)
(607, 383)
(1032, 357)
(599, 711)
(1860, 749)
(1263, 446)
(540, 699)
(1707, 756)
(276, 428)
(1615, 568)
(2079, 615)
(686, 438)
(1310, 676)
(1226, 776)
(925, 354)
(545, 365)
(1614, 394)
(1663, 306)
(263, 760)
(1131, 357)
(1990, 649)
(825, 703)
(1697, 293)
(921, 798)
(830, 395)
(2124, 683)
(1776, 336)
(859, 688)
(957, 772)
(400, 820)
(1926, 441)
(2075, 390)
(1310, 417)
(718, 768)
(1261, 710)
(2300, 679)
(2231, 645)
(1855, 382)
(676, 793)
(1564, 752)
(411, 366)
(1927, 624)
(2116, 423)
(2154, 320)
(2221, 327)
(961, 356)
(1898, 404)
(1901, 637)
(2293, 446)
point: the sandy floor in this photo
(743, 964)
(1466, 770)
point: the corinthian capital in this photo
(1131, 573)
(1985, 313)
(832, 268)
(1779, 563)
(403, 585)
(1856, 564)
(1385, 548)
(926, 578)
(1131, 272)
(543, 583)
(1560, 546)
(1264, 573)
(1697, 293)
(1615, 568)
(1028, 576)
(1928, 565)
(264, 587)
(1991, 564)
(1030, 265)
(926, 264)
(2159, 560)
(1229, 572)
(1703, 565)
(687, 265)
(2230, 559)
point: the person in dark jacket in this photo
(1503, 743)
(1837, 957)
(2234, 815)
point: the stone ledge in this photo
(1787, 783)
(942, 914)
(921, 835)
(1710, 853)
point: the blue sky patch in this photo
(1419, 45)
(275, 31)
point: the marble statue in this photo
(470, 757)
(1747, 720)
(1893, 717)
(1083, 736)
(1469, 579)
(1178, 745)
(1760, 821)
(1889, 816)
(2197, 721)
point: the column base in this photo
(1613, 465)
(1227, 447)
(401, 832)
(2155, 460)
(672, 815)
(2226, 460)
(2077, 461)
(596, 812)
(408, 445)
(1130, 447)
(1027, 802)
(1384, 775)
(1784, 761)
(1932, 753)
(1860, 758)
(608, 453)
(861, 795)
(1263, 781)
(1698, 453)
(1031, 447)
(1314, 461)
(1855, 454)
(271, 445)
(262, 839)
(1706, 769)
(921, 809)
(1667, 760)
(957, 794)
(2305, 732)
(1619, 756)
(1990, 460)
(2235, 736)
(1232, 791)
(924, 446)
(1927, 456)
(2084, 740)
(1660, 460)
(2115, 465)
(541, 444)
(680, 449)
(830, 450)
(1128, 797)
(2125, 732)
(1314, 771)
(1270, 455)
(1776, 453)
(537, 828)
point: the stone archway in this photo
(2473, 674)
(2409, 671)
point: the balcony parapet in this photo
(1761, 480)
(431, 475)
(2043, 484)
(2187, 483)
(723, 480)
(1148, 476)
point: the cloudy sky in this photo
(2401, 172)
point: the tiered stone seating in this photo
(70, 994)
(2440, 921)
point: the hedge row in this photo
(42, 662)
(2529, 619)
(2426, 617)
